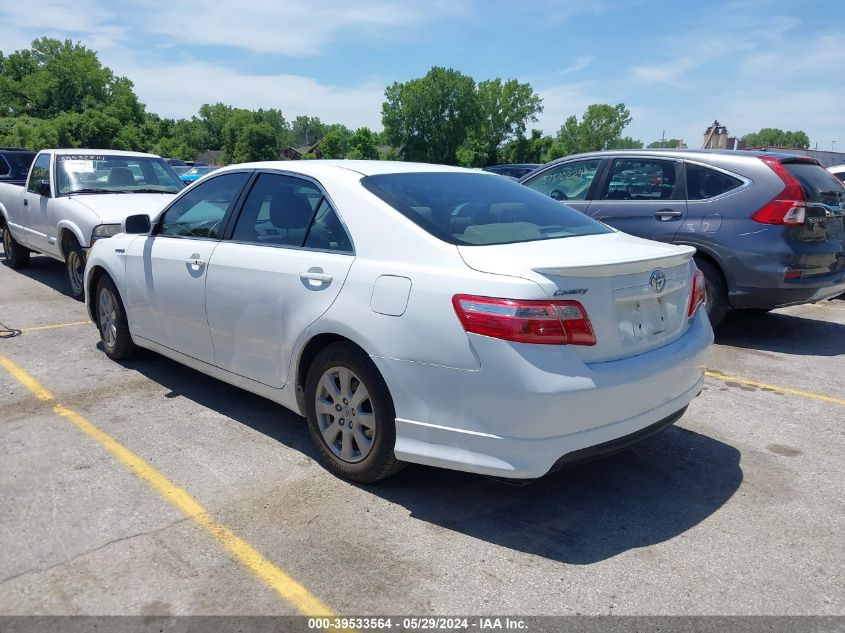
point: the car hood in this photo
(114, 208)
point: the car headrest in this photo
(120, 176)
(289, 210)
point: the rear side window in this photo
(704, 183)
(818, 183)
(642, 179)
(5, 168)
(479, 209)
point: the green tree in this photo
(626, 142)
(775, 137)
(363, 144)
(526, 150)
(256, 141)
(670, 143)
(429, 118)
(306, 130)
(600, 128)
(504, 109)
(335, 143)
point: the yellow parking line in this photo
(54, 326)
(288, 588)
(762, 385)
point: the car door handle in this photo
(313, 276)
(667, 214)
(25, 202)
(195, 261)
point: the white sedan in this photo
(412, 313)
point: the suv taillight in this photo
(699, 294)
(789, 206)
(524, 321)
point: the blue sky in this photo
(676, 64)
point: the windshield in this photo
(92, 173)
(479, 209)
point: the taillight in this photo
(524, 321)
(789, 206)
(699, 293)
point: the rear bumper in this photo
(791, 292)
(529, 407)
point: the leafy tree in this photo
(600, 128)
(775, 137)
(670, 143)
(306, 130)
(429, 118)
(505, 108)
(171, 148)
(526, 150)
(363, 144)
(256, 141)
(626, 142)
(335, 143)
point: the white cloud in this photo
(580, 63)
(668, 72)
(560, 102)
(178, 90)
(286, 27)
(86, 19)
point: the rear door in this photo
(282, 267)
(571, 182)
(642, 196)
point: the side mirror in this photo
(137, 224)
(44, 188)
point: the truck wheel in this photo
(75, 266)
(16, 255)
(350, 414)
(111, 321)
(716, 292)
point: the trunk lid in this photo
(636, 292)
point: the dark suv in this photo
(14, 164)
(768, 226)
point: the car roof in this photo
(836, 168)
(684, 153)
(98, 152)
(318, 168)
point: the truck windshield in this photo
(93, 173)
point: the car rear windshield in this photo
(479, 209)
(818, 183)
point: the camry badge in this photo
(573, 291)
(657, 281)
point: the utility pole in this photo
(832, 143)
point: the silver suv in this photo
(768, 226)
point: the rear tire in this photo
(16, 255)
(716, 292)
(350, 414)
(75, 269)
(111, 321)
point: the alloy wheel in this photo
(106, 310)
(345, 414)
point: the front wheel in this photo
(350, 414)
(75, 267)
(16, 255)
(111, 321)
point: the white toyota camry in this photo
(412, 313)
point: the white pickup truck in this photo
(73, 197)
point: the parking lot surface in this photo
(737, 509)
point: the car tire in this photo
(112, 322)
(716, 292)
(16, 255)
(354, 431)
(75, 269)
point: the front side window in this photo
(641, 179)
(704, 183)
(92, 173)
(478, 209)
(200, 212)
(40, 171)
(566, 181)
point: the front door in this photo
(283, 267)
(166, 271)
(642, 196)
(36, 209)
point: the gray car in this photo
(768, 226)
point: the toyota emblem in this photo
(657, 281)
